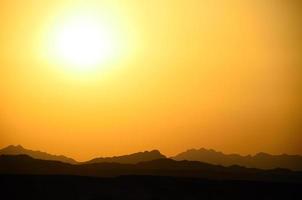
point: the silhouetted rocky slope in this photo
(131, 158)
(19, 150)
(260, 160)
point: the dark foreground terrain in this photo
(23, 164)
(59, 187)
(23, 177)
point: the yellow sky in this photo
(188, 74)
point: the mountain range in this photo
(260, 160)
(23, 164)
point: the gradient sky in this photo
(191, 73)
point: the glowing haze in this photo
(100, 78)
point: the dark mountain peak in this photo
(20, 150)
(153, 152)
(131, 158)
(13, 147)
(201, 151)
(212, 151)
(262, 154)
(204, 150)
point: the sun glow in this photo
(84, 43)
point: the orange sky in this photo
(214, 74)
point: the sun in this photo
(84, 43)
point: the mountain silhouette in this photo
(23, 164)
(131, 158)
(260, 160)
(19, 150)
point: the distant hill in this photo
(131, 158)
(23, 164)
(19, 150)
(260, 160)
